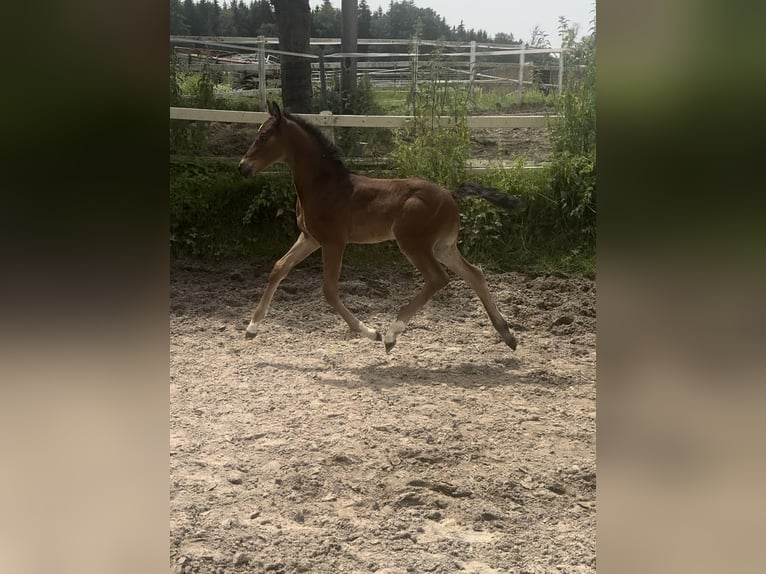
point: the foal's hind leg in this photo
(435, 278)
(451, 257)
(301, 249)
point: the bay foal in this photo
(336, 207)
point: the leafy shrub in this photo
(215, 213)
(426, 149)
(179, 130)
(573, 169)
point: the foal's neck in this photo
(308, 161)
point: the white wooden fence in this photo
(328, 122)
(475, 50)
(351, 121)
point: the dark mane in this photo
(329, 149)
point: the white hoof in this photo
(369, 333)
(393, 332)
(251, 330)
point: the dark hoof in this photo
(389, 346)
(511, 342)
(249, 335)
(378, 336)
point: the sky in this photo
(515, 17)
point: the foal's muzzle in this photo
(244, 168)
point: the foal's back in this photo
(383, 209)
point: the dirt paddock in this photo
(308, 449)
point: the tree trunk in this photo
(294, 26)
(348, 44)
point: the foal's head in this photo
(268, 147)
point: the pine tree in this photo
(178, 25)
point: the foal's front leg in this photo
(302, 248)
(332, 258)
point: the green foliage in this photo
(499, 239)
(274, 201)
(543, 234)
(215, 213)
(326, 21)
(557, 230)
(508, 101)
(205, 87)
(357, 142)
(238, 103)
(426, 149)
(573, 169)
(257, 17)
(190, 90)
(178, 25)
(391, 101)
(482, 98)
(179, 130)
(200, 90)
(576, 134)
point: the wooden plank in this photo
(336, 41)
(380, 164)
(346, 121)
(229, 116)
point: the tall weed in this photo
(195, 90)
(426, 149)
(573, 169)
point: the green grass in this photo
(500, 100)
(392, 102)
(505, 100)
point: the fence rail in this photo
(412, 52)
(353, 121)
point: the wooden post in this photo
(262, 69)
(471, 68)
(322, 78)
(521, 73)
(329, 131)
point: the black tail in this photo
(495, 196)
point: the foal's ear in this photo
(275, 112)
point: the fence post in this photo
(471, 69)
(329, 131)
(262, 69)
(322, 78)
(521, 73)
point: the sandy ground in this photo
(308, 449)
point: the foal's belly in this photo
(371, 235)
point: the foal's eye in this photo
(263, 137)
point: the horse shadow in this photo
(459, 375)
(467, 375)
